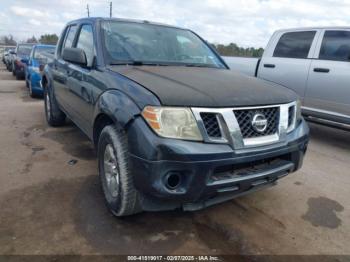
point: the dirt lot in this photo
(51, 206)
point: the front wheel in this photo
(54, 115)
(122, 198)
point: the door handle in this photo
(85, 95)
(269, 65)
(321, 70)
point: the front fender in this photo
(118, 106)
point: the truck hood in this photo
(205, 87)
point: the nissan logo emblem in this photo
(259, 123)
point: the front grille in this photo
(245, 117)
(211, 124)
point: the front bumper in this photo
(207, 173)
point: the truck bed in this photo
(245, 65)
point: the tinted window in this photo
(86, 42)
(294, 44)
(70, 36)
(335, 46)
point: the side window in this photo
(294, 44)
(70, 36)
(86, 42)
(335, 46)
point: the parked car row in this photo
(26, 62)
(7, 58)
(5, 52)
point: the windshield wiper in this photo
(137, 63)
(200, 65)
(129, 62)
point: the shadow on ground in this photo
(335, 137)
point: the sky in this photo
(249, 23)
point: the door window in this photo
(69, 37)
(294, 44)
(335, 46)
(86, 42)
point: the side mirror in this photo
(75, 56)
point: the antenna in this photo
(88, 10)
(110, 9)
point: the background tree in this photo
(49, 39)
(8, 40)
(233, 49)
(32, 40)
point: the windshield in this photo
(44, 52)
(128, 42)
(24, 50)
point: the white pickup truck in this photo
(315, 63)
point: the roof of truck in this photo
(94, 19)
(314, 28)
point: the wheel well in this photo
(101, 121)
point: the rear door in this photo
(328, 89)
(286, 61)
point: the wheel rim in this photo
(48, 106)
(111, 171)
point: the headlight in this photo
(172, 122)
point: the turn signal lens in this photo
(298, 108)
(172, 122)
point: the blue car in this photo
(38, 58)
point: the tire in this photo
(54, 115)
(31, 93)
(18, 77)
(121, 196)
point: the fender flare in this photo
(117, 106)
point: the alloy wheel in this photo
(111, 171)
